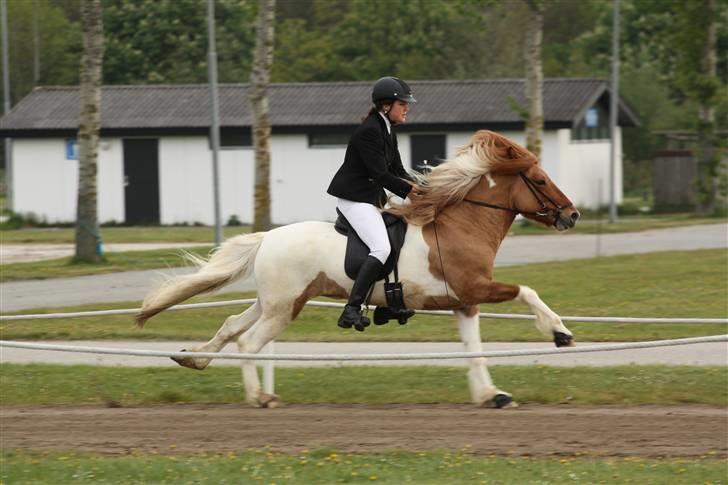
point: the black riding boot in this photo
(368, 274)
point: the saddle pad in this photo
(357, 251)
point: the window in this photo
(594, 126)
(430, 148)
(328, 139)
(234, 138)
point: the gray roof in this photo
(303, 105)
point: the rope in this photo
(324, 304)
(369, 357)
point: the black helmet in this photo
(392, 88)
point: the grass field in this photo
(114, 262)
(327, 467)
(139, 260)
(39, 384)
(201, 234)
(668, 284)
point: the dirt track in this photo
(528, 430)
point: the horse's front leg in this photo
(482, 390)
(547, 322)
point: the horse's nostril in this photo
(574, 216)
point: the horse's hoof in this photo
(563, 340)
(191, 362)
(269, 401)
(502, 401)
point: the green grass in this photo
(203, 234)
(176, 234)
(594, 225)
(668, 284)
(138, 260)
(38, 384)
(113, 263)
(326, 466)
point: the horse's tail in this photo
(232, 261)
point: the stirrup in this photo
(383, 315)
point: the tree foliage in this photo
(164, 41)
(60, 46)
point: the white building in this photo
(155, 164)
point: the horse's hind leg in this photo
(547, 322)
(234, 325)
(251, 342)
(482, 390)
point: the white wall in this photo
(185, 180)
(46, 184)
(585, 170)
(299, 178)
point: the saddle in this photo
(357, 252)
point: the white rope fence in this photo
(367, 357)
(324, 304)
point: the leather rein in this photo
(537, 193)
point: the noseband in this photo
(537, 193)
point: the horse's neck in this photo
(486, 227)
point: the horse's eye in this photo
(539, 182)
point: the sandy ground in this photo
(531, 430)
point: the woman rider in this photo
(372, 163)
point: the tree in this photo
(59, 46)
(534, 76)
(259, 85)
(87, 229)
(164, 41)
(688, 42)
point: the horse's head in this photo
(538, 198)
(532, 193)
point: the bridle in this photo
(541, 197)
(544, 211)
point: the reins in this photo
(537, 193)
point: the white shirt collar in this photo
(386, 121)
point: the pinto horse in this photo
(455, 228)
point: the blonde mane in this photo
(448, 183)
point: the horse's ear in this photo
(516, 159)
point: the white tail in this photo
(232, 261)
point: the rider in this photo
(372, 163)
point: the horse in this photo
(454, 231)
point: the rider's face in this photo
(398, 112)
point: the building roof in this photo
(306, 105)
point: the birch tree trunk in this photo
(534, 76)
(87, 229)
(259, 84)
(708, 156)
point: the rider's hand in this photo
(415, 192)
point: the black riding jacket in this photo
(372, 163)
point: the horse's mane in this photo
(487, 153)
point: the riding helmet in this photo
(390, 87)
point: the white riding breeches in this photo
(369, 226)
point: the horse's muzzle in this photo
(566, 219)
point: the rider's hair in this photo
(377, 107)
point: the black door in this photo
(141, 180)
(427, 147)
